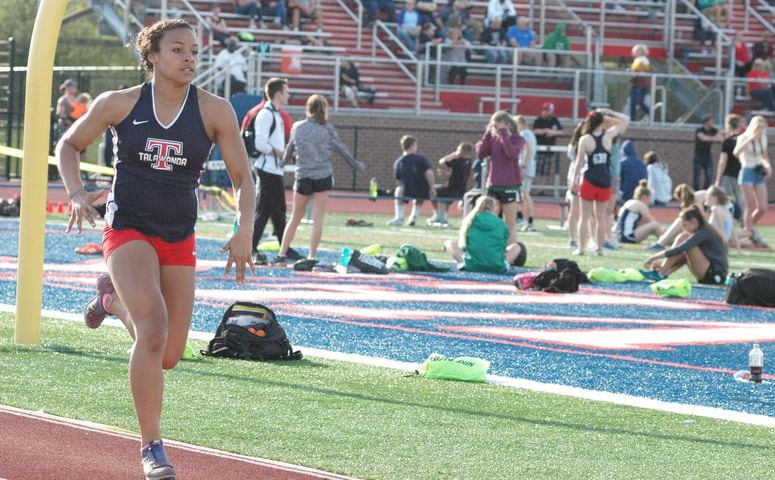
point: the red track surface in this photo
(360, 204)
(36, 446)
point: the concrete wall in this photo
(375, 141)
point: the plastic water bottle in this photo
(756, 363)
(344, 260)
(730, 280)
(373, 189)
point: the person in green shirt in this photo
(482, 243)
(557, 41)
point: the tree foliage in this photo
(80, 40)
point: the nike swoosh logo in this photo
(139, 122)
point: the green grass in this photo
(373, 422)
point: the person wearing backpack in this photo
(482, 243)
(268, 164)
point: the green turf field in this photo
(373, 422)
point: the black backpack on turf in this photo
(755, 286)
(560, 276)
(250, 331)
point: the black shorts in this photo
(309, 186)
(504, 194)
(446, 192)
(712, 277)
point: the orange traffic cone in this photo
(69, 207)
(49, 207)
(60, 207)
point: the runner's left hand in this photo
(239, 248)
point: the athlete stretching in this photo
(163, 131)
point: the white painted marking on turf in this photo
(615, 398)
(635, 338)
(285, 292)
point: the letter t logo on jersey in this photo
(162, 150)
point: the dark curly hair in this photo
(148, 39)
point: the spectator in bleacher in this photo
(632, 170)
(409, 25)
(235, 63)
(503, 9)
(277, 9)
(703, 33)
(251, 9)
(455, 15)
(641, 81)
(528, 170)
(760, 84)
(503, 145)
(634, 221)
(414, 180)
(428, 35)
(702, 161)
(763, 48)
(751, 149)
(728, 167)
(312, 141)
(309, 9)
(713, 9)
(428, 10)
(494, 36)
(455, 167)
(350, 82)
(456, 50)
(373, 6)
(218, 25)
(593, 166)
(743, 62)
(547, 128)
(521, 36)
(482, 244)
(659, 182)
(557, 40)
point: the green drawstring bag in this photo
(465, 369)
(632, 274)
(416, 261)
(606, 275)
(668, 287)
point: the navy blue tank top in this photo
(158, 168)
(597, 168)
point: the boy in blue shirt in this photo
(414, 180)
